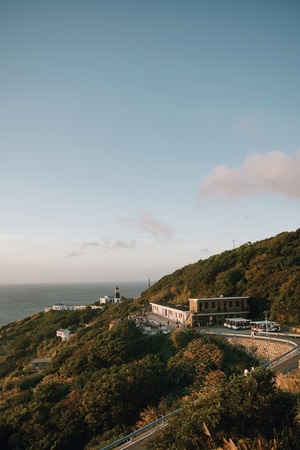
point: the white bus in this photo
(263, 326)
(237, 323)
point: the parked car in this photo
(274, 329)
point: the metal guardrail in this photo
(139, 431)
(295, 348)
(282, 357)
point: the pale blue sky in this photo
(140, 136)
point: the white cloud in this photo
(274, 172)
(112, 244)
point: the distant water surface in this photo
(21, 300)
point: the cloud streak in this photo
(273, 172)
(147, 222)
(143, 220)
(106, 243)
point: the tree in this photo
(118, 394)
(123, 343)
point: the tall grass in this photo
(289, 382)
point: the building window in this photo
(206, 305)
(230, 303)
(213, 305)
(237, 303)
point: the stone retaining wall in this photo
(265, 350)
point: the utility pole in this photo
(266, 319)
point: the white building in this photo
(106, 299)
(177, 313)
(116, 298)
(64, 334)
(60, 307)
(63, 307)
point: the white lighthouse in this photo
(117, 295)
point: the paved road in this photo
(288, 365)
(137, 443)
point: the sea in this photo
(18, 301)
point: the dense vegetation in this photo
(101, 381)
(268, 271)
(248, 411)
(106, 381)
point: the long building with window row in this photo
(204, 311)
(213, 311)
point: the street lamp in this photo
(266, 319)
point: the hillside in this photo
(106, 381)
(103, 381)
(268, 271)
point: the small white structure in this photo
(64, 307)
(61, 307)
(116, 298)
(64, 334)
(39, 364)
(106, 299)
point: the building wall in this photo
(219, 305)
(205, 311)
(170, 313)
(40, 363)
(213, 311)
(64, 334)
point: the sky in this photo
(137, 137)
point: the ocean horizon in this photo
(18, 301)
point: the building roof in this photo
(238, 319)
(172, 306)
(219, 298)
(37, 360)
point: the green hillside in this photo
(106, 381)
(268, 271)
